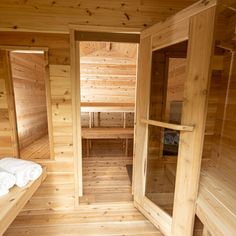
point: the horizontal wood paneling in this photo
(35, 15)
(61, 110)
(108, 74)
(28, 75)
(61, 169)
(58, 44)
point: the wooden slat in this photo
(106, 37)
(106, 109)
(168, 125)
(107, 133)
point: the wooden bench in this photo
(107, 133)
(216, 202)
(12, 203)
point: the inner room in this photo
(29, 80)
(108, 85)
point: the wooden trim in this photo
(49, 106)
(180, 16)
(135, 115)
(142, 108)
(106, 109)
(75, 87)
(75, 76)
(106, 36)
(164, 220)
(168, 125)
(10, 48)
(170, 35)
(78, 118)
(110, 29)
(199, 59)
(11, 105)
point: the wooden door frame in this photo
(189, 25)
(75, 86)
(10, 48)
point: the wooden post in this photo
(76, 116)
(197, 82)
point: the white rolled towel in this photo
(3, 192)
(7, 180)
(23, 170)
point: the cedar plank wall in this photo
(28, 74)
(56, 15)
(112, 82)
(6, 126)
(108, 76)
(57, 192)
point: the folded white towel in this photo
(23, 170)
(4, 192)
(7, 180)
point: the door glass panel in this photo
(166, 97)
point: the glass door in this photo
(172, 89)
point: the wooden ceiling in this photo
(56, 15)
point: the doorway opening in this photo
(29, 75)
(108, 85)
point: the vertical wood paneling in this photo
(8, 138)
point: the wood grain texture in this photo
(12, 203)
(108, 72)
(37, 16)
(216, 203)
(105, 179)
(89, 220)
(8, 136)
(194, 112)
(28, 75)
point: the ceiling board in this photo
(56, 15)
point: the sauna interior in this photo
(28, 70)
(130, 109)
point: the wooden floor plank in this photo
(105, 179)
(87, 220)
(39, 149)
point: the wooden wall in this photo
(7, 122)
(108, 73)
(108, 78)
(57, 192)
(28, 75)
(56, 15)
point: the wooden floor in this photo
(88, 220)
(107, 210)
(106, 179)
(37, 150)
